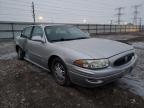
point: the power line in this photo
(74, 14)
(15, 9)
(51, 7)
(68, 6)
(119, 14)
(57, 8)
(76, 3)
(62, 8)
(55, 3)
(16, 14)
(18, 1)
(18, 4)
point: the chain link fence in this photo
(9, 30)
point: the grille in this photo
(123, 60)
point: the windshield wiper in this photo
(62, 39)
(81, 38)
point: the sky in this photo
(70, 11)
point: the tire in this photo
(60, 73)
(21, 54)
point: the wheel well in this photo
(51, 60)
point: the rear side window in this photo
(27, 32)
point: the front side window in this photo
(37, 31)
(27, 32)
(64, 33)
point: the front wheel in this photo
(60, 73)
(21, 54)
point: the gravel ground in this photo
(23, 85)
(135, 81)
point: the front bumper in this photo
(94, 78)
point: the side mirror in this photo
(22, 33)
(38, 39)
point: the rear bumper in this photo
(94, 78)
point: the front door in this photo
(35, 48)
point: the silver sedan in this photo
(73, 56)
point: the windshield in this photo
(64, 33)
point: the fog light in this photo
(95, 81)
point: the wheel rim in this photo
(59, 72)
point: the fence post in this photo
(89, 28)
(110, 28)
(120, 28)
(104, 28)
(96, 29)
(125, 28)
(115, 29)
(140, 28)
(12, 26)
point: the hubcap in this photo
(59, 72)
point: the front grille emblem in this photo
(126, 58)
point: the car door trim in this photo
(36, 64)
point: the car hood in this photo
(95, 47)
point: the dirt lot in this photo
(23, 85)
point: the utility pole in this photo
(140, 24)
(33, 12)
(119, 14)
(136, 12)
(140, 21)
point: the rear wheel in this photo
(60, 73)
(21, 54)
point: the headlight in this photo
(92, 64)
